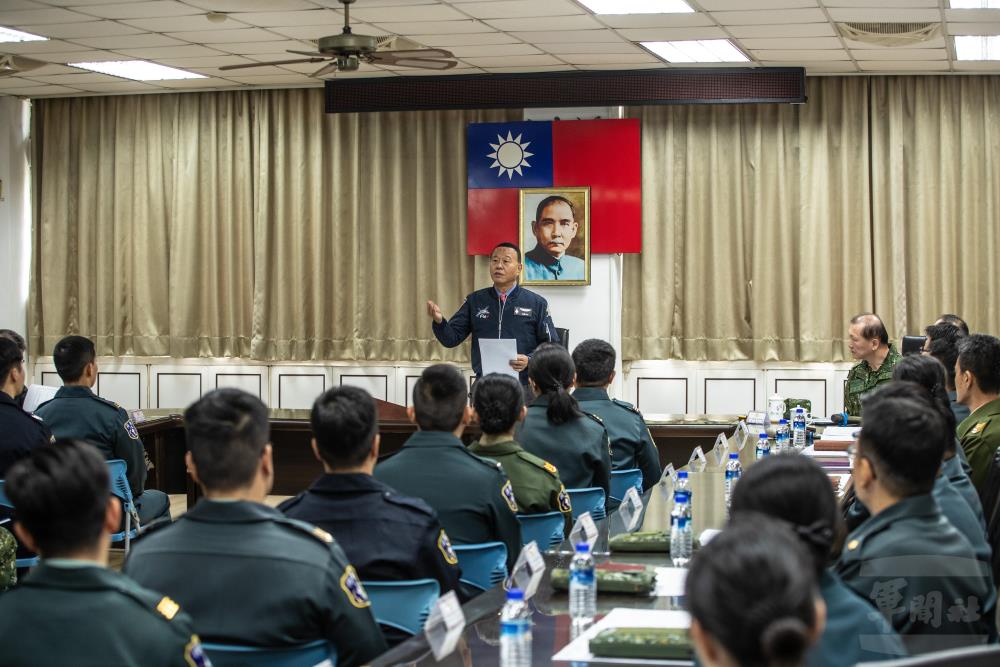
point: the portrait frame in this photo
(535, 258)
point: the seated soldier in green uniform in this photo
(499, 404)
(869, 344)
(907, 559)
(797, 491)
(246, 573)
(72, 609)
(556, 430)
(8, 559)
(472, 496)
(77, 412)
(977, 383)
(631, 444)
(751, 600)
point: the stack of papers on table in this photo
(578, 650)
(841, 433)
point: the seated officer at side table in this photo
(72, 609)
(977, 383)
(77, 412)
(631, 444)
(20, 432)
(869, 344)
(908, 560)
(387, 536)
(472, 496)
(499, 404)
(245, 572)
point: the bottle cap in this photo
(582, 548)
(798, 410)
(733, 455)
(515, 594)
(682, 474)
(763, 435)
(783, 421)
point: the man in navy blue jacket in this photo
(505, 310)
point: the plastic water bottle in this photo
(733, 473)
(582, 585)
(763, 446)
(782, 437)
(515, 631)
(684, 485)
(799, 429)
(680, 531)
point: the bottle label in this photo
(732, 474)
(680, 522)
(582, 577)
(513, 628)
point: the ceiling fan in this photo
(345, 52)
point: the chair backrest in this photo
(622, 479)
(588, 500)
(4, 501)
(119, 482)
(970, 656)
(563, 336)
(404, 605)
(304, 655)
(483, 565)
(19, 563)
(545, 530)
(912, 344)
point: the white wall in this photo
(15, 213)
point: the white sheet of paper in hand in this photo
(38, 394)
(496, 355)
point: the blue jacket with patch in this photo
(523, 317)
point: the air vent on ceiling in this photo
(396, 43)
(890, 34)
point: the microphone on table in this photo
(839, 419)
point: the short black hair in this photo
(227, 430)
(955, 321)
(508, 244)
(980, 355)
(748, 590)
(60, 492)
(552, 370)
(440, 397)
(871, 327)
(903, 436)
(553, 199)
(498, 400)
(796, 490)
(944, 340)
(71, 355)
(928, 372)
(344, 422)
(16, 337)
(595, 361)
(10, 356)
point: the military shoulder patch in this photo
(550, 468)
(194, 654)
(131, 430)
(444, 545)
(322, 534)
(168, 608)
(595, 418)
(853, 544)
(350, 583)
(565, 505)
(625, 404)
(978, 428)
(507, 491)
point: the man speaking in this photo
(504, 310)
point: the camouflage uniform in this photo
(8, 558)
(862, 380)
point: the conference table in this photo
(295, 466)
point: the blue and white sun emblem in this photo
(509, 155)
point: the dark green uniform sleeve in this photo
(648, 459)
(351, 627)
(437, 559)
(559, 501)
(8, 559)
(130, 450)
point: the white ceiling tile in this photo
(902, 65)
(25, 17)
(936, 43)
(85, 29)
(978, 65)
(225, 36)
(790, 30)
(610, 58)
(11, 5)
(599, 47)
(907, 4)
(135, 10)
(41, 91)
(793, 43)
(971, 15)
(411, 71)
(899, 54)
(179, 23)
(667, 34)
(195, 83)
(724, 5)
(992, 28)
(322, 30)
(289, 19)
(78, 56)
(519, 8)
(502, 69)
(770, 16)
(252, 5)
(890, 15)
(129, 41)
(264, 79)
(445, 41)
(74, 3)
(208, 62)
(655, 20)
(52, 68)
(825, 67)
(659, 64)
(511, 61)
(410, 13)
(494, 50)
(466, 26)
(269, 49)
(120, 86)
(813, 55)
(72, 79)
(16, 82)
(569, 36)
(157, 52)
(29, 48)
(581, 22)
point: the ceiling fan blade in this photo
(420, 63)
(307, 53)
(416, 53)
(326, 69)
(275, 62)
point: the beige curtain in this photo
(755, 229)
(936, 175)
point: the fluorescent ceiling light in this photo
(138, 70)
(975, 4)
(11, 35)
(697, 51)
(977, 47)
(637, 6)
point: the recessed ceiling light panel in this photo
(637, 6)
(697, 51)
(11, 35)
(138, 70)
(977, 47)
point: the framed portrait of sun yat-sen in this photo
(555, 236)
